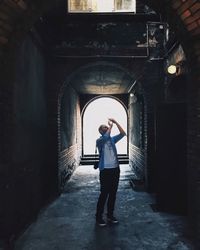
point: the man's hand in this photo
(121, 130)
(110, 123)
(111, 120)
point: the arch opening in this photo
(96, 113)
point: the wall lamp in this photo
(133, 97)
(172, 69)
(177, 69)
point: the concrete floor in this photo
(69, 222)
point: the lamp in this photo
(172, 69)
(133, 97)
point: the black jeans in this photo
(109, 180)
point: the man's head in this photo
(103, 129)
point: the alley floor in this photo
(69, 222)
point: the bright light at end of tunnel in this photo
(97, 113)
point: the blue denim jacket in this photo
(100, 145)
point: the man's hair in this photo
(100, 130)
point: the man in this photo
(109, 171)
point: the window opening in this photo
(101, 6)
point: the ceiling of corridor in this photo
(104, 78)
(114, 41)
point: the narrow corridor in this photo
(69, 222)
(56, 58)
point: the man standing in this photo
(109, 171)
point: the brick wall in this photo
(69, 160)
(137, 163)
(189, 14)
(69, 134)
(136, 137)
(142, 123)
(151, 82)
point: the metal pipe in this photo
(98, 56)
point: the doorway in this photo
(96, 113)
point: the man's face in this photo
(103, 129)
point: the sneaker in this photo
(112, 219)
(101, 222)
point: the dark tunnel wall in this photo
(142, 123)
(171, 139)
(70, 137)
(29, 142)
(65, 125)
(68, 118)
(30, 103)
(136, 137)
(136, 122)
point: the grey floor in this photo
(69, 222)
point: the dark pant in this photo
(109, 179)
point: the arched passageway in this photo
(29, 172)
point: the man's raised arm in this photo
(121, 130)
